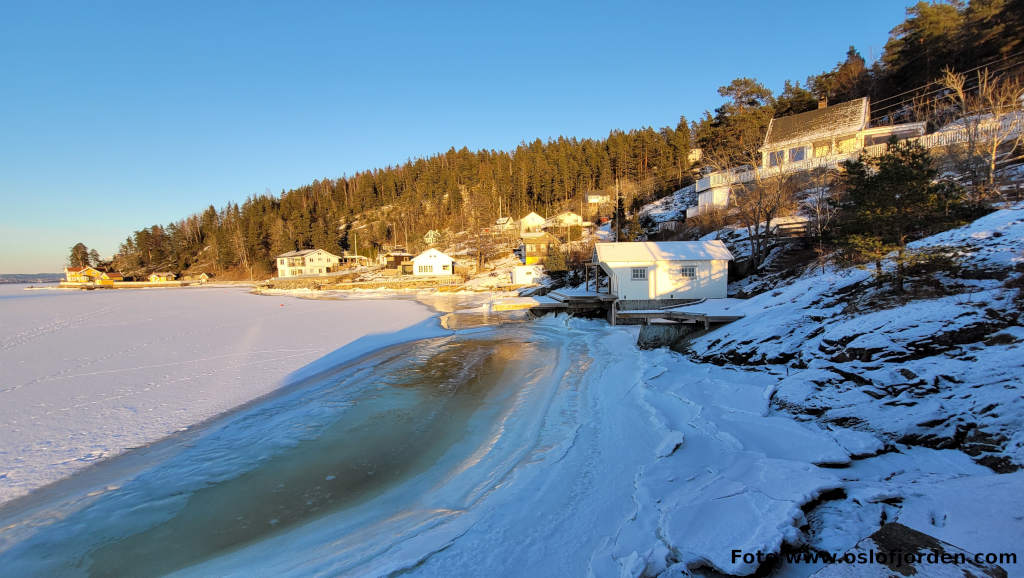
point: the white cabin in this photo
(566, 219)
(306, 262)
(531, 223)
(432, 262)
(504, 224)
(665, 270)
(526, 274)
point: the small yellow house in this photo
(162, 277)
(84, 274)
(108, 278)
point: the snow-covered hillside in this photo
(940, 367)
(670, 207)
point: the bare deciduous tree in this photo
(771, 194)
(992, 117)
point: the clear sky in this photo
(120, 115)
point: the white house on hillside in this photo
(814, 139)
(666, 270)
(432, 262)
(432, 237)
(531, 223)
(306, 262)
(504, 224)
(566, 219)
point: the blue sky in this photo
(120, 115)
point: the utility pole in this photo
(618, 221)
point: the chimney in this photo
(822, 102)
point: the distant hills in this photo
(10, 278)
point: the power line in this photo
(877, 111)
(1011, 56)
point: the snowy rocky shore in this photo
(922, 393)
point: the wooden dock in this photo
(706, 312)
(557, 301)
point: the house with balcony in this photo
(306, 262)
(84, 274)
(563, 220)
(821, 138)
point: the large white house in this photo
(531, 223)
(821, 138)
(432, 262)
(306, 262)
(665, 270)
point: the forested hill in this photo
(462, 190)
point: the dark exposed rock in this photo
(896, 550)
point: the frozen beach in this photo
(85, 375)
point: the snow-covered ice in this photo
(85, 375)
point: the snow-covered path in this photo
(85, 375)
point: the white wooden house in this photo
(504, 225)
(667, 270)
(566, 219)
(306, 262)
(531, 223)
(526, 274)
(432, 262)
(432, 237)
(819, 138)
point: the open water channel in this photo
(400, 439)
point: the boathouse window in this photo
(688, 271)
(639, 273)
(426, 268)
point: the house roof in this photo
(839, 119)
(503, 221)
(303, 253)
(541, 236)
(662, 251)
(533, 217)
(432, 253)
(297, 253)
(162, 273)
(77, 269)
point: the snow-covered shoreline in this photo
(789, 430)
(88, 375)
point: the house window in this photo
(796, 154)
(426, 268)
(639, 274)
(776, 158)
(445, 267)
(688, 271)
